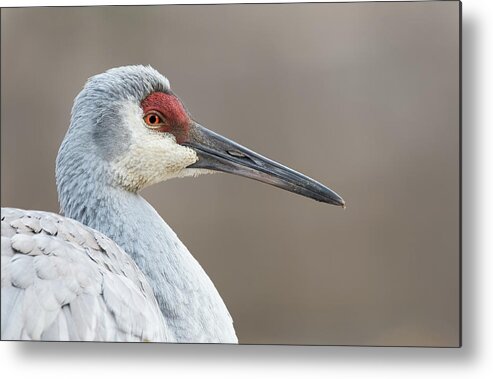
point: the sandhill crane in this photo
(111, 269)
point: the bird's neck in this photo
(186, 296)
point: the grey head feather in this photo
(97, 107)
(97, 134)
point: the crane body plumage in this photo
(110, 268)
(63, 281)
(114, 287)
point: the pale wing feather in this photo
(64, 281)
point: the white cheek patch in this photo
(152, 156)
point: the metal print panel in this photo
(352, 239)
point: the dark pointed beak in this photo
(221, 154)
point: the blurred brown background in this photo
(363, 97)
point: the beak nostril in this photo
(236, 153)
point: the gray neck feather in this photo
(187, 298)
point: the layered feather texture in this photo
(63, 281)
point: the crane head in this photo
(144, 135)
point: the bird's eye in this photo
(153, 120)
